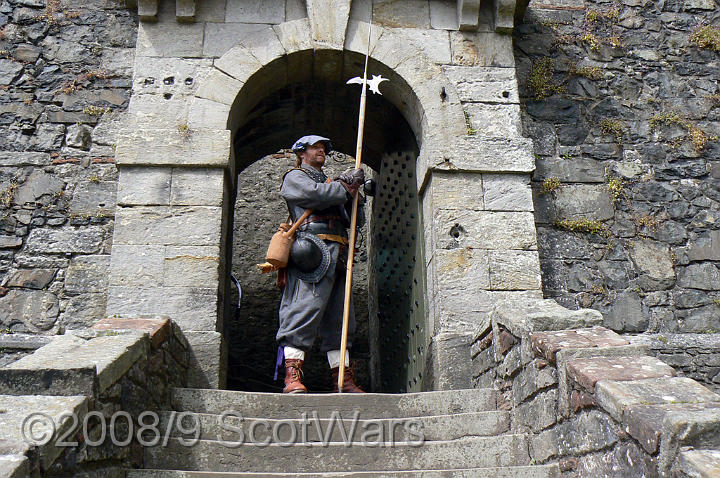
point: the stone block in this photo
(461, 269)
(10, 242)
(698, 464)
(514, 270)
(494, 121)
(588, 371)
(459, 308)
(87, 274)
(472, 153)
(254, 11)
(185, 11)
(14, 466)
(587, 432)
(38, 184)
(10, 158)
(36, 310)
(523, 317)
(627, 314)
(616, 397)
(192, 308)
(484, 230)
(583, 201)
(94, 198)
(295, 10)
(507, 192)
(177, 147)
(29, 278)
(544, 446)
(161, 225)
(705, 276)
(144, 186)
(645, 422)
(539, 413)
(548, 344)
(653, 263)
(531, 379)
(264, 45)
(239, 63)
(443, 15)
(197, 187)
(221, 37)
(484, 84)
(575, 170)
(208, 114)
(706, 247)
(699, 429)
(83, 310)
(295, 35)
(219, 87)
(153, 111)
(452, 367)
(191, 266)
(481, 49)
(328, 20)
(433, 43)
(158, 329)
(402, 14)
(160, 75)
(448, 190)
(137, 265)
(170, 39)
(206, 359)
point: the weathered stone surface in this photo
(173, 148)
(544, 446)
(29, 278)
(481, 49)
(706, 247)
(190, 266)
(461, 268)
(456, 308)
(521, 317)
(494, 120)
(588, 371)
(94, 198)
(626, 314)
(83, 310)
(328, 20)
(197, 187)
(139, 265)
(255, 11)
(36, 310)
(206, 368)
(401, 13)
(14, 465)
(652, 261)
(455, 191)
(238, 63)
(146, 186)
(158, 329)
(484, 84)
(192, 308)
(570, 170)
(531, 379)
(87, 240)
(615, 397)
(87, 274)
(170, 39)
(587, 432)
(539, 413)
(9, 71)
(221, 37)
(484, 230)
(198, 225)
(478, 154)
(705, 276)
(514, 270)
(549, 343)
(507, 192)
(699, 429)
(37, 185)
(574, 202)
(698, 463)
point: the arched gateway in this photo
(467, 171)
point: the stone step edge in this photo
(550, 467)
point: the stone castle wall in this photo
(613, 95)
(65, 80)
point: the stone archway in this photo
(476, 251)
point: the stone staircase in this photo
(457, 433)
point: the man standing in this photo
(313, 297)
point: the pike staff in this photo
(374, 85)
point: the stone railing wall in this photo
(591, 400)
(110, 373)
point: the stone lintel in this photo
(178, 147)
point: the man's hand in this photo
(352, 179)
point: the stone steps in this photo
(433, 427)
(473, 452)
(372, 405)
(542, 471)
(219, 433)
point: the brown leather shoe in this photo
(348, 381)
(294, 376)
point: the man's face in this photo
(314, 155)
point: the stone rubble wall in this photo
(612, 95)
(65, 80)
(127, 366)
(592, 401)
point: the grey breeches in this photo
(308, 310)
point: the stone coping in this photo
(597, 367)
(23, 341)
(85, 363)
